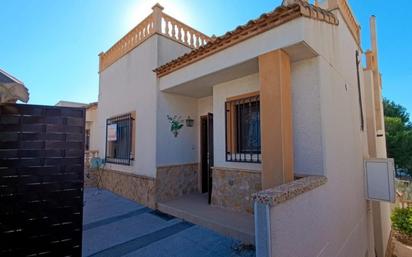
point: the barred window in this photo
(243, 128)
(119, 139)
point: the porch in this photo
(248, 90)
(246, 147)
(195, 209)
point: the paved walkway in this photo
(114, 226)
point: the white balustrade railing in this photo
(182, 33)
(156, 22)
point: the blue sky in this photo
(52, 46)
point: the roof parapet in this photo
(157, 22)
(348, 17)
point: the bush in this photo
(402, 220)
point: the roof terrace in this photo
(157, 22)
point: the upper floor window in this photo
(119, 139)
(243, 128)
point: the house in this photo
(63, 103)
(12, 89)
(273, 118)
(91, 122)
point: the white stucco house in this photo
(12, 89)
(273, 119)
(90, 126)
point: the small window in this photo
(243, 128)
(119, 138)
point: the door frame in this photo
(206, 158)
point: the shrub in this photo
(402, 220)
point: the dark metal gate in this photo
(41, 180)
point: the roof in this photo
(6, 78)
(91, 105)
(265, 22)
(70, 104)
(12, 89)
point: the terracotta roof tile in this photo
(265, 22)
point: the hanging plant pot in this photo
(176, 124)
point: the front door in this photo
(206, 151)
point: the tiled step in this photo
(194, 208)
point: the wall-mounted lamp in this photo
(189, 122)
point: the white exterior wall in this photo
(221, 92)
(186, 147)
(129, 85)
(311, 226)
(91, 124)
(169, 50)
(205, 105)
(306, 117)
(332, 220)
(182, 149)
(307, 136)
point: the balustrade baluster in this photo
(199, 41)
(174, 31)
(192, 39)
(161, 23)
(167, 27)
(178, 33)
(184, 35)
(189, 38)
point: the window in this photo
(119, 138)
(243, 128)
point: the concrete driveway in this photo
(114, 226)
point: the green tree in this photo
(391, 109)
(398, 134)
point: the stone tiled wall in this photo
(177, 180)
(170, 183)
(233, 188)
(90, 178)
(134, 187)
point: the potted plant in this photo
(402, 225)
(176, 124)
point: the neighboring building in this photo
(71, 104)
(277, 99)
(91, 122)
(12, 89)
(91, 130)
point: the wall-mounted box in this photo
(379, 179)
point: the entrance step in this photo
(195, 209)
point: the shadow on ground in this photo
(115, 226)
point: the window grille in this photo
(243, 130)
(119, 139)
